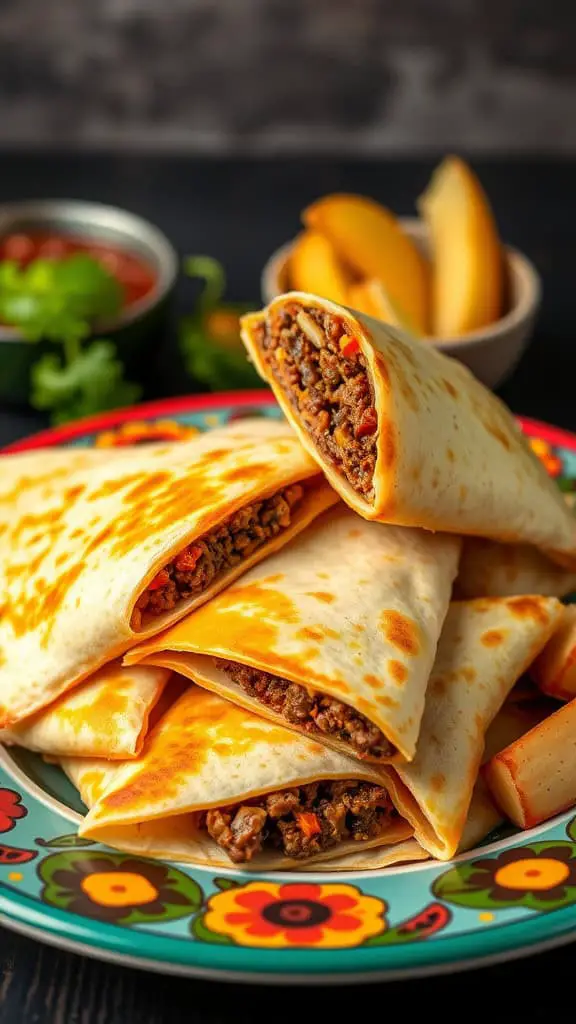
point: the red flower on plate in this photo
(11, 809)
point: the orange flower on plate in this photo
(142, 432)
(550, 461)
(275, 916)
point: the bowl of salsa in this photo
(136, 253)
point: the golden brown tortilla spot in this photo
(463, 492)
(386, 702)
(110, 487)
(450, 455)
(147, 487)
(353, 645)
(276, 578)
(78, 532)
(416, 473)
(438, 686)
(364, 706)
(337, 684)
(398, 671)
(492, 638)
(387, 443)
(358, 627)
(529, 608)
(323, 576)
(401, 632)
(438, 782)
(308, 633)
(61, 558)
(283, 448)
(248, 472)
(321, 595)
(468, 673)
(499, 434)
(373, 681)
(449, 388)
(2, 657)
(353, 534)
(72, 493)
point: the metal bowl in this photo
(136, 328)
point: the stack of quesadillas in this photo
(285, 643)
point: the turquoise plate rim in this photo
(461, 936)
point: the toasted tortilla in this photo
(79, 547)
(449, 455)
(351, 609)
(105, 716)
(484, 648)
(490, 569)
(205, 752)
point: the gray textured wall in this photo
(269, 75)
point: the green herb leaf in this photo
(58, 299)
(92, 382)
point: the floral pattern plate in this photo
(514, 895)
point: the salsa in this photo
(136, 276)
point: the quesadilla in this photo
(96, 558)
(240, 789)
(405, 434)
(535, 777)
(554, 670)
(490, 569)
(334, 636)
(484, 648)
(105, 716)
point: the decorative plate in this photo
(514, 895)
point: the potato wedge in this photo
(467, 264)
(369, 238)
(314, 267)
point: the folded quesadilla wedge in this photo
(405, 434)
(105, 716)
(484, 648)
(490, 569)
(334, 636)
(93, 560)
(255, 793)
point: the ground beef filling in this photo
(314, 712)
(301, 822)
(194, 568)
(318, 364)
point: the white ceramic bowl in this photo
(491, 352)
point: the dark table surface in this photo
(239, 211)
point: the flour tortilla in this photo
(105, 716)
(206, 752)
(485, 647)
(351, 609)
(490, 569)
(449, 454)
(78, 547)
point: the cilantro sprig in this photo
(61, 301)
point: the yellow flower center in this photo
(532, 873)
(118, 889)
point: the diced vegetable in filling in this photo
(301, 822)
(319, 366)
(198, 565)
(314, 712)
